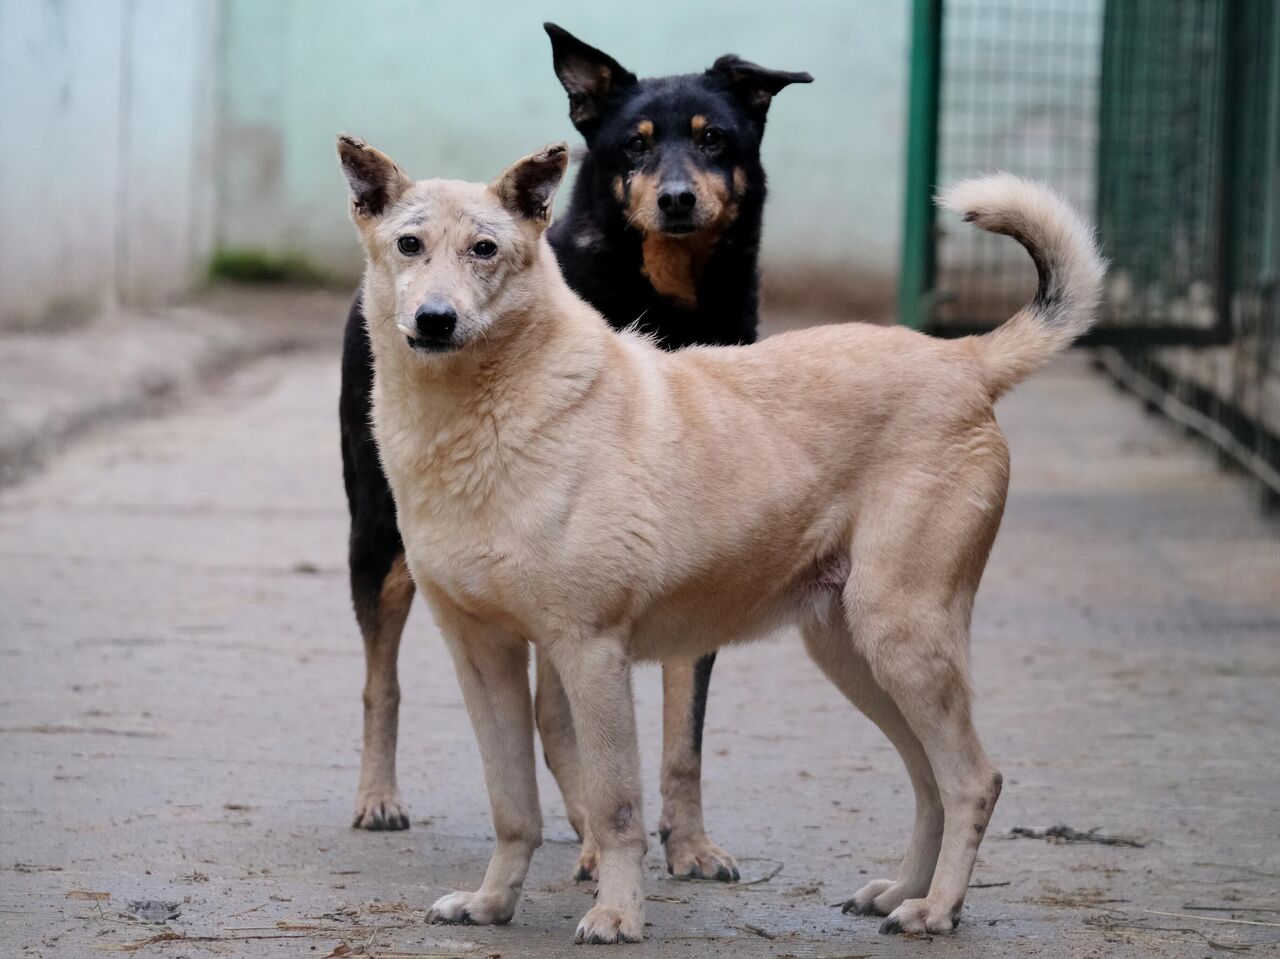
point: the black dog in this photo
(662, 233)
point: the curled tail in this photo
(1066, 256)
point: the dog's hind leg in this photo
(493, 671)
(381, 588)
(916, 562)
(560, 748)
(832, 648)
(596, 673)
(691, 854)
(381, 614)
(932, 693)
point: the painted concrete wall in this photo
(459, 90)
(107, 109)
(143, 134)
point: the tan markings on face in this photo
(674, 264)
(739, 181)
(715, 203)
(645, 128)
(619, 189)
(642, 201)
(698, 124)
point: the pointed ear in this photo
(590, 77)
(375, 179)
(528, 186)
(754, 85)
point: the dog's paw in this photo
(877, 898)
(604, 925)
(472, 909)
(921, 916)
(380, 809)
(587, 867)
(697, 857)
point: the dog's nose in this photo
(676, 198)
(436, 321)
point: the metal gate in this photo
(1163, 117)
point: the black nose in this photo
(676, 198)
(435, 322)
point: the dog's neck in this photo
(673, 265)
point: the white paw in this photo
(471, 908)
(380, 809)
(604, 925)
(922, 916)
(697, 857)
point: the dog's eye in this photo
(484, 249)
(409, 245)
(636, 145)
(710, 138)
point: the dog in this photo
(662, 233)
(564, 485)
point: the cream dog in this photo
(564, 485)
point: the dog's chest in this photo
(455, 505)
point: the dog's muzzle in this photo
(677, 208)
(433, 328)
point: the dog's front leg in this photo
(691, 854)
(596, 673)
(493, 671)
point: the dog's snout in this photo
(676, 198)
(436, 320)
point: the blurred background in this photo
(199, 133)
(181, 681)
(158, 145)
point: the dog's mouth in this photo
(679, 229)
(687, 222)
(424, 344)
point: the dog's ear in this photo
(375, 179)
(591, 77)
(528, 186)
(754, 85)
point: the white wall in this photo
(107, 109)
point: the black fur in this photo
(599, 254)
(601, 257)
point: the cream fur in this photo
(565, 486)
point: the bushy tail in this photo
(1066, 256)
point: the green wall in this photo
(458, 90)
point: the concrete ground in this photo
(179, 714)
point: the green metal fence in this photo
(995, 84)
(1163, 116)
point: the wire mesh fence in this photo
(1163, 116)
(1019, 92)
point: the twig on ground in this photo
(1112, 922)
(765, 878)
(1232, 865)
(1066, 834)
(1187, 915)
